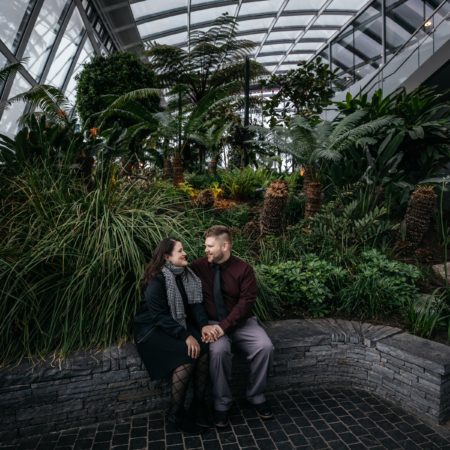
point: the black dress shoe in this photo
(221, 419)
(263, 410)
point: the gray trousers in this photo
(251, 339)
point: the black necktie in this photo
(218, 297)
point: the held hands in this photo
(210, 333)
(193, 347)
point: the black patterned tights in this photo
(180, 382)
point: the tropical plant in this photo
(215, 58)
(416, 145)
(213, 68)
(275, 200)
(342, 230)
(421, 206)
(426, 313)
(244, 184)
(309, 282)
(39, 140)
(70, 260)
(10, 69)
(304, 91)
(112, 75)
(378, 286)
(316, 146)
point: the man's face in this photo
(216, 249)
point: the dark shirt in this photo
(154, 311)
(239, 289)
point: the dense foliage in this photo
(106, 77)
(81, 209)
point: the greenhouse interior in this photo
(316, 133)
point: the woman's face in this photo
(178, 256)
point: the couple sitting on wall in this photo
(187, 320)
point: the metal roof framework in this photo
(285, 31)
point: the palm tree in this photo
(216, 57)
(213, 68)
(316, 145)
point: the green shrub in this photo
(202, 180)
(236, 216)
(243, 184)
(425, 313)
(379, 286)
(309, 282)
(70, 260)
(111, 75)
(341, 232)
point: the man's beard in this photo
(217, 258)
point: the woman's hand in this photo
(193, 347)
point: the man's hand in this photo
(193, 347)
(210, 333)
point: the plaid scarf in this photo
(192, 286)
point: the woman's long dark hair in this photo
(163, 249)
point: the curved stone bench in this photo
(98, 386)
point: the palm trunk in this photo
(178, 176)
(313, 192)
(274, 202)
(418, 214)
(167, 169)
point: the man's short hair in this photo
(219, 231)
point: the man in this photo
(229, 293)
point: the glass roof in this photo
(285, 31)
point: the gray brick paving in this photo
(303, 419)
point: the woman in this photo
(165, 331)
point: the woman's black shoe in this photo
(202, 414)
(181, 422)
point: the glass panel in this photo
(333, 20)
(174, 39)
(313, 34)
(308, 46)
(293, 21)
(141, 9)
(66, 50)
(347, 4)
(341, 52)
(275, 35)
(396, 35)
(298, 57)
(288, 66)
(86, 54)
(325, 56)
(252, 37)
(199, 2)
(402, 19)
(12, 114)
(270, 59)
(13, 19)
(43, 35)
(276, 47)
(3, 62)
(260, 7)
(304, 4)
(166, 24)
(367, 42)
(253, 25)
(207, 15)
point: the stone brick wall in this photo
(96, 386)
